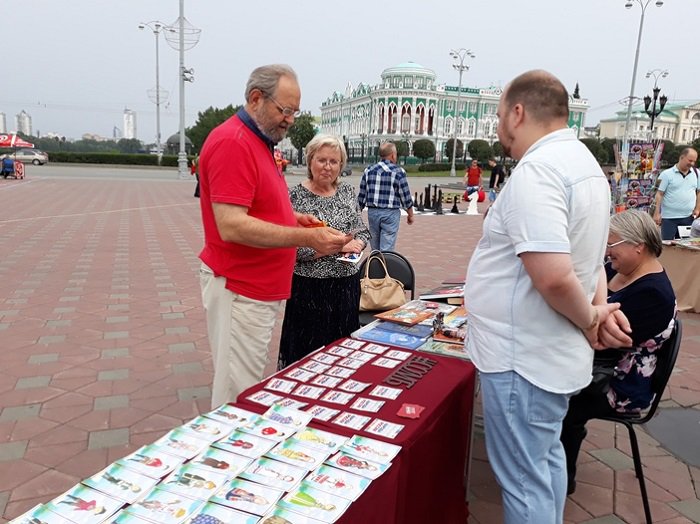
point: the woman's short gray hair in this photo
(265, 79)
(637, 227)
(323, 140)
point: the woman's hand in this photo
(354, 246)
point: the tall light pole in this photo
(182, 35)
(653, 113)
(643, 4)
(156, 26)
(458, 55)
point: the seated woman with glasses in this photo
(325, 297)
(622, 377)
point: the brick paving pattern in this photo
(103, 344)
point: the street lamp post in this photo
(404, 136)
(156, 27)
(458, 55)
(182, 36)
(363, 136)
(643, 4)
(653, 113)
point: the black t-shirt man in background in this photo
(498, 175)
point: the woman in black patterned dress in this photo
(325, 295)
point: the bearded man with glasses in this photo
(251, 231)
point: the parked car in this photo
(33, 156)
(347, 171)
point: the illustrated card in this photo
(164, 506)
(294, 453)
(193, 481)
(282, 516)
(384, 428)
(337, 371)
(247, 496)
(266, 428)
(351, 363)
(356, 465)
(337, 482)
(353, 386)
(300, 374)
(40, 514)
(325, 358)
(338, 397)
(152, 461)
(245, 444)
(367, 404)
(386, 362)
(290, 417)
(313, 502)
(385, 392)
(351, 420)
(339, 351)
(315, 367)
(182, 443)
(352, 343)
(281, 385)
(121, 482)
(230, 415)
(212, 513)
(291, 403)
(266, 398)
(396, 354)
(318, 439)
(371, 449)
(377, 349)
(327, 381)
(221, 461)
(322, 412)
(83, 505)
(307, 391)
(208, 429)
(122, 517)
(274, 473)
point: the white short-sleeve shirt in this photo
(557, 201)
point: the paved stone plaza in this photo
(103, 344)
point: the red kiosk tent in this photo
(14, 141)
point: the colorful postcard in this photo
(291, 403)
(315, 367)
(263, 427)
(325, 358)
(182, 443)
(356, 465)
(265, 398)
(371, 449)
(339, 351)
(385, 392)
(151, 460)
(384, 429)
(367, 404)
(212, 513)
(294, 453)
(338, 397)
(308, 391)
(121, 483)
(313, 502)
(247, 496)
(337, 482)
(123, 517)
(318, 439)
(281, 385)
(337, 371)
(282, 516)
(83, 505)
(353, 386)
(221, 461)
(230, 415)
(208, 429)
(351, 420)
(290, 417)
(300, 374)
(40, 515)
(193, 481)
(245, 444)
(164, 506)
(327, 381)
(352, 343)
(274, 473)
(322, 412)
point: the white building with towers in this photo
(3, 123)
(23, 123)
(129, 123)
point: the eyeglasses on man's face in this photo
(610, 246)
(286, 111)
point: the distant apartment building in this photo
(129, 123)
(3, 123)
(678, 122)
(23, 123)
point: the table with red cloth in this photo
(426, 482)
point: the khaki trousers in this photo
(239, 330)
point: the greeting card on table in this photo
(385, 392)
(352, 343)
(121, 483)
(327, 381)
(294, 453)
(83, 505)
(308, 391)
(339, 351)
(398, 355)
(371, 449)
(337, 371)
(282, 516)
(386, 362)
(194, 482)
(367, 404)
(264, 397)
(293, 418)
(122, 517)
(291, 403)
(164, 506)
(318, 439)
(322, 412)
(274, 473)
(245, 444)
(221, 461)
(151, 460)
(325, 358)
(338, 397)
(315, 367)
(377, 349)
(337, 482)
(313, 502)
(247, 496)
(351, 363)
(351, 420)
(208, 429)
(280, 385)
(384, 428)
(300, 374)
(356, 465)
(212, 513)
(353, 386)
(182, 443)
(230, 415)
(263, 427)
(40, 514)
(362, 355)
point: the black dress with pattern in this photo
(325, 297)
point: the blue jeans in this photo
(522, 424)
(669, 226)
(383, 227)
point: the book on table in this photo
(444, 348)
(375, 332)
(444, 291)
(414, 312)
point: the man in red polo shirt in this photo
(250, 230)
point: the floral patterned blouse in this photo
(339, 211)
(649, 303)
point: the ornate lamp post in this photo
(156, 95)
(458, 55)
(182, 35)
(643, 4)
(653, 113)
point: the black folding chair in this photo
(398, 267)
(667, 356)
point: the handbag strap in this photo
(376, 255)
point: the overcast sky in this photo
(75, 65)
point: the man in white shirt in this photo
(530, 292)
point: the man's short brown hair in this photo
(541, 94)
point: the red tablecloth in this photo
(426, 480)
